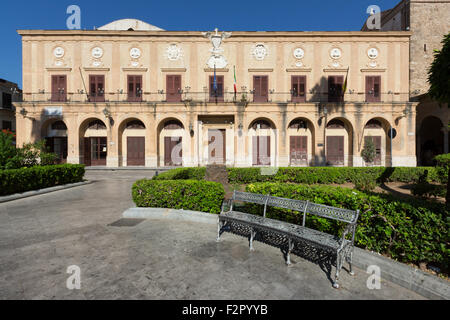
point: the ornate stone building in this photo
(131, 94)
(428, 21)
(9, 93)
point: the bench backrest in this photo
(344, 215)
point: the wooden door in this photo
(217, 149)
(87, 151)
(98, 151)
(135, 151)
(335, 150)
(261, 88)
(298, 88)
(134, 88)
(299, 150)
(261, 151)
(373, 87)
(170, 158)
(59, 88)
(173, 85)
(377, 142)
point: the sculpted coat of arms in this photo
(217, 59)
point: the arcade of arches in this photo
(241, 140)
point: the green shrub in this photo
(427, 190)
(407, 230)
(443, 166)
(182, 174)
(39, 177)
(332, 175)
(194, 195)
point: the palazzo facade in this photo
(130, 94)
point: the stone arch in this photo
(173, 141)
(262, 142)
(55, 133)
(93, 135)
(377, 128)
(300, 139)
(339, 142)
(132, 142)
(430, 139)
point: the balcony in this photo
(187, 96)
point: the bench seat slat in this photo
(293, 231)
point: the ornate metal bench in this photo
(292, 234)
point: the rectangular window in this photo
(173, 88)
(335, 88)
(59, 88)
(96, 88)
(216, 95)
(373, 88)
(7, 100)
(7, 125)
(298, 88)
(261, 88)
(134, 88)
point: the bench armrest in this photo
(349, 229)
(227, 203)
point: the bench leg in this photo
(290, 248)
(338, 269)
(252, 236)
(219, 228)
(350, 262)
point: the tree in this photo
(439, 74)
(439, 80)
(369, 152)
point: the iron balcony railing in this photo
(206, 97)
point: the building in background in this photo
(428, 21)
(131, 94)
(9, 93)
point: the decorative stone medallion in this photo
(219, 62)
(372, 53)
(335, 53)
(299, 53)
(135, 53)
(58, 52)
(173, 52)
(97, 52)
(259, 51)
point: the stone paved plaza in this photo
(156, 259)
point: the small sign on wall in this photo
(53, 111)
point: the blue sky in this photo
(229, 15)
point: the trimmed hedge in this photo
(443, 166)
(409, 231)
(182, 174)
(39, 177)
(332, 175)
(193, 195)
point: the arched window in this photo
(298, 124)
(373, 124)
(336, 124)
(173, 125)
(58, 125)
(96, 125)
(135, 124)
(261, 124)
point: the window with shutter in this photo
(59, 88)
(298, 88)
(373, 88)
(335, 88)
(216, 95)
(134, 88)
(97, 88)
(173, 88)
(261, 88)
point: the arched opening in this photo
(171, 137)
(93, 142)
(262, 141)
(132, 143)
(431, 140)
(301, 137)
(376, 130)
(54, 132)
(339, 142)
